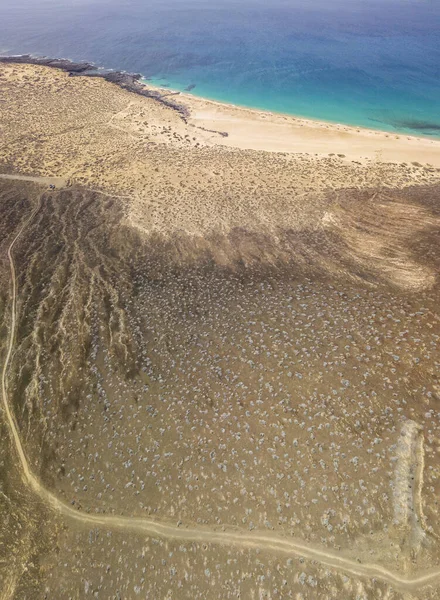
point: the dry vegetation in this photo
(224, 338)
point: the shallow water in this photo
(368, 63)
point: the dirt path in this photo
(242, 539)
(59, 182)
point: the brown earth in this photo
(213, 337)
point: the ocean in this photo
(368, 63)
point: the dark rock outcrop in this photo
(126, 81)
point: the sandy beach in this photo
(259, 130)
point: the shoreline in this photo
(273, 113)
(138, 84)
(253, 129)
(295, 116)
(216, 123)
(126, 81)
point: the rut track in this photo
(59, 181)
(240, 539)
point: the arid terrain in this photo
(220, 353)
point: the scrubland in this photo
(213, 337)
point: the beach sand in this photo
(272, 132)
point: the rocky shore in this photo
(127, 81)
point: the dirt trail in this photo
(57, 181)
(243, 539)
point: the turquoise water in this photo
(367, 63)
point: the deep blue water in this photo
(363, 62)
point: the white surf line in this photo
(150, 527)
